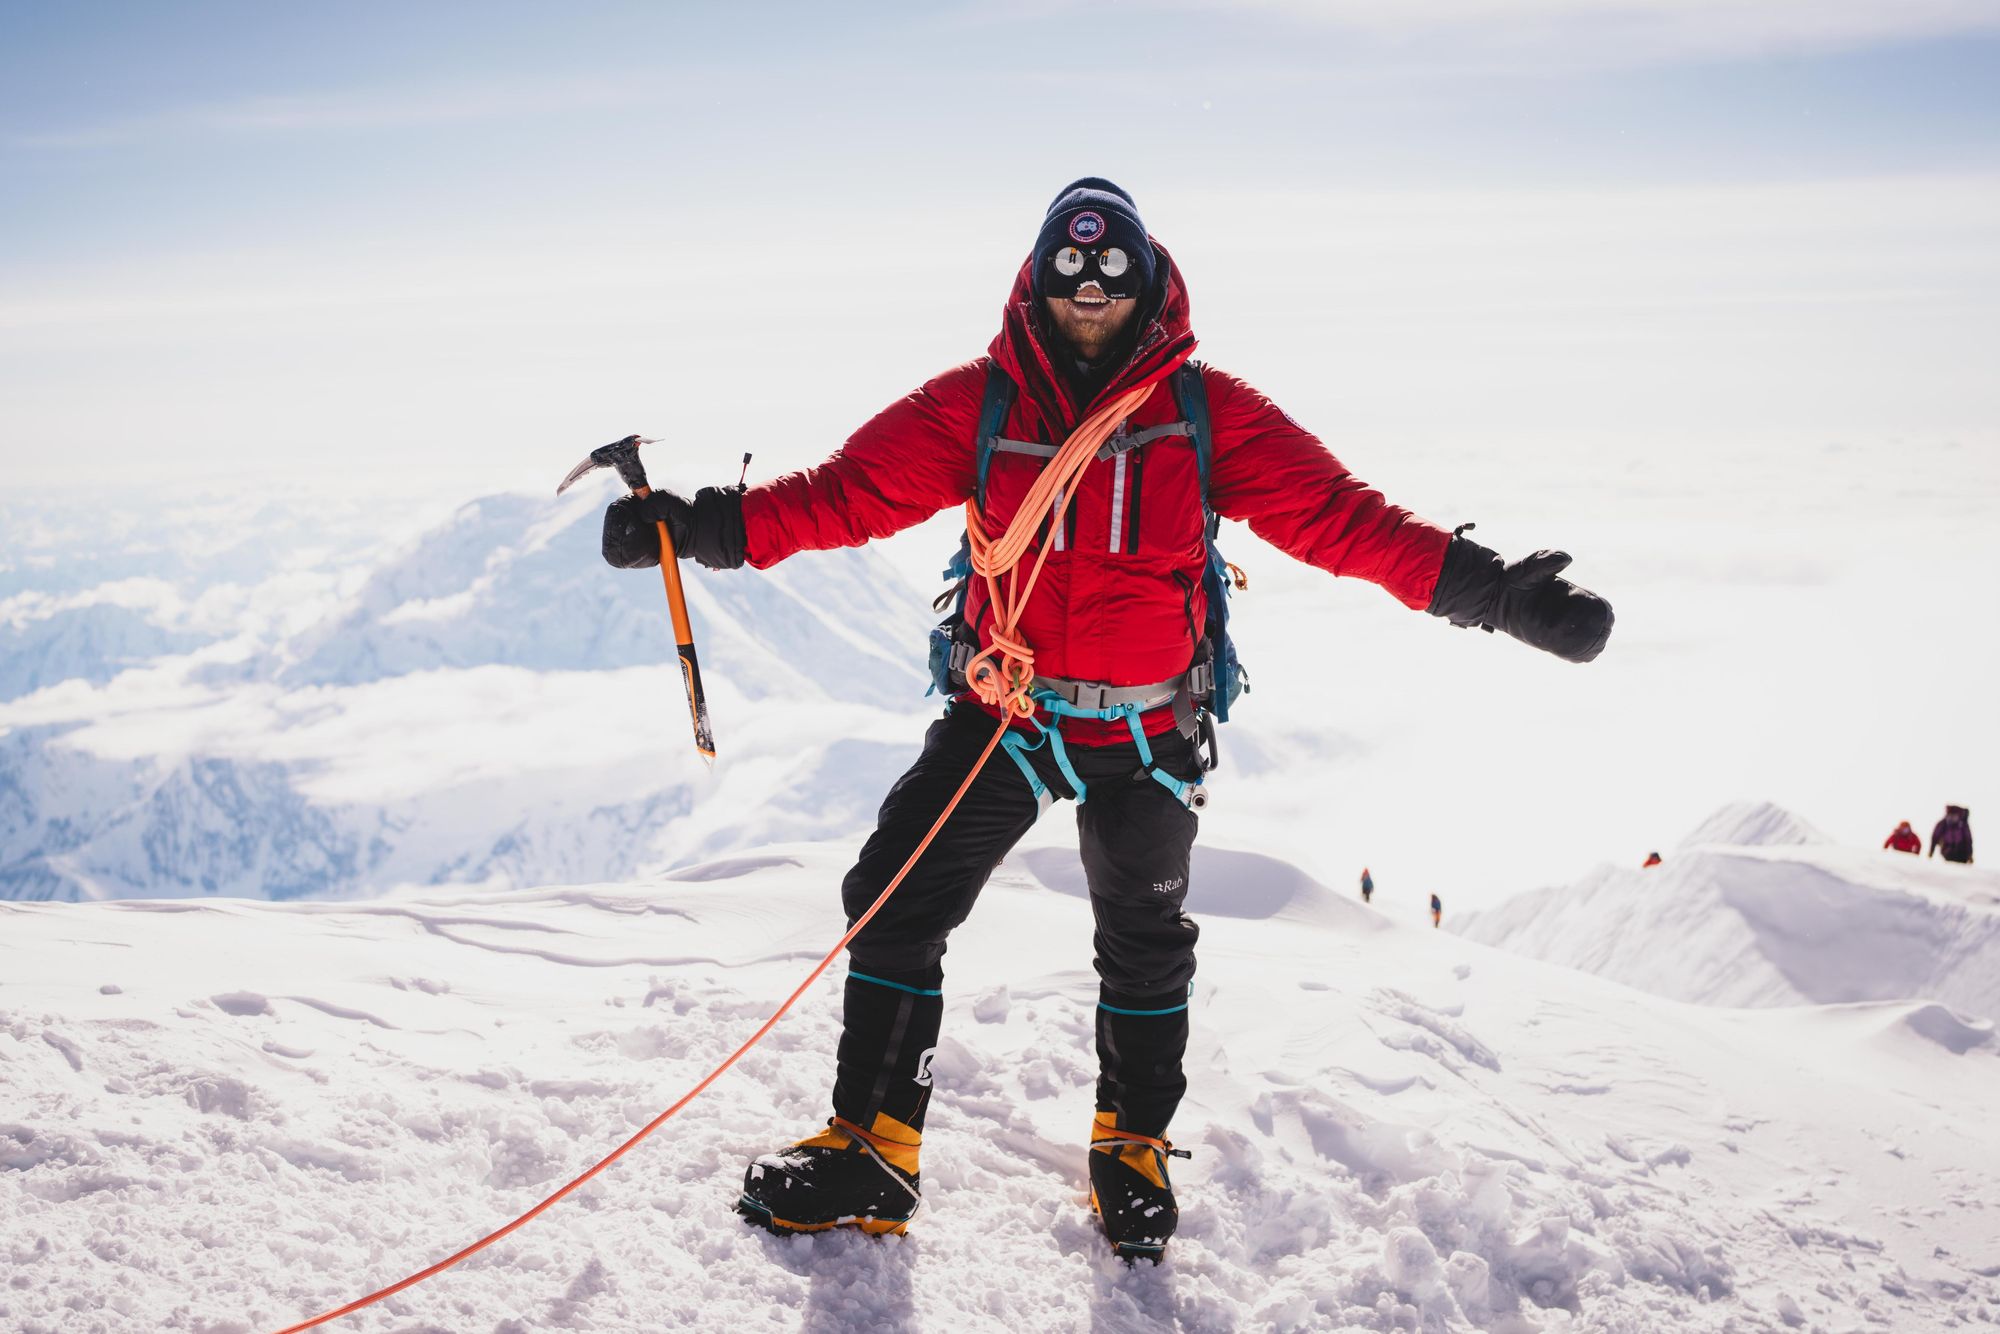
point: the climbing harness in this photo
(1003, 677)
(1018, 746)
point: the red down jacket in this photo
(1120, 600)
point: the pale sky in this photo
(1707, 292)
(445, 246)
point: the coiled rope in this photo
(1003, 673)
(1001, 676)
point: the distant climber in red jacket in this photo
(1125, 669)
(1905, 839)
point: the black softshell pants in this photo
(1135, 839)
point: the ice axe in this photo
(623, 455)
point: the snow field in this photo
(225, 1116)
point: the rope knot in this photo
(1003, 674)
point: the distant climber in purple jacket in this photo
(1953, 836)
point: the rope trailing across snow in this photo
(1001, 676)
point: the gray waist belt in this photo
(1096, 695)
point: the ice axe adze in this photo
(623, 455)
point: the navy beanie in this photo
(1118, 224)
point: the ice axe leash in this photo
(623, 456)
(1004, 682)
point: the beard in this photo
(1094, 340)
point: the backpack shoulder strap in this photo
(1191, 395)
(993, 410)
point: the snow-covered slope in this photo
(516, 581)
(221, 1116)
(1755, 908)
(485, 703)
(46, 641)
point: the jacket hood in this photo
(1023, 350)
(1959, 811)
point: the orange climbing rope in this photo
(1001, 676)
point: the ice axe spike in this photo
(623, 457)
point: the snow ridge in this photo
(1752, 824)
(1781, 917)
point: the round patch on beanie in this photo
(1086, 227)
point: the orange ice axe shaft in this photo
(623, 456)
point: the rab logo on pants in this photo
(924, 1066)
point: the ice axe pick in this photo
(623, 455)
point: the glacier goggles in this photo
(1067, 268)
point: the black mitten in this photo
(710, 529)
(631, 534)
(1527, 599)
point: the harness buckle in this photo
(1089, 695)
(1201, 678)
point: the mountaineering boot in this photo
(841, 1176)
(862, 1169)
(1129, 1189)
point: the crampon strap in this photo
(1110, 1137)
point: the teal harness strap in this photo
(1166, 780)
(1061, 708)
(1016, 745)
(1060, 754)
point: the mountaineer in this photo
(1952, 836)
(1130, 660)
